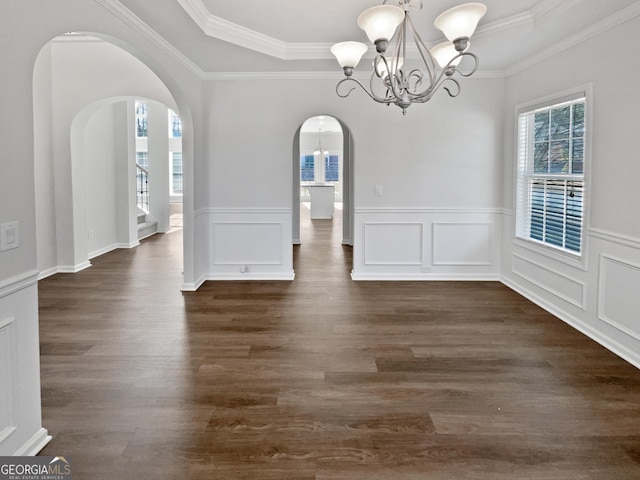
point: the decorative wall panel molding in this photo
(396, 243)
(624, 350)
(552, 281)
(13, 284)
(429, 211)
(461, 243)
(618, 299)
(240, 243)
(615, 238)
(8, 378)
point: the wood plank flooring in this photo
(322, 378)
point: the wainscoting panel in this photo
(21, 431)
(618, 295)
(393, 244)
(242, 243)
(552, 281)
(426, 244)
(461, 244)
(249, 244)
(8, 380)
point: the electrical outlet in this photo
(377, 190)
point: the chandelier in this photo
(319, 150)
(389, 25)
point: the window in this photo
(331, 168)
(176, 173)
(550, 189)
(307, 172)
(141, 120)
(175, 125)
(142, 159)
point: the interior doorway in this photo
(322, 157)
(85, 152)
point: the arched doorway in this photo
(85, 81)
(346, 179)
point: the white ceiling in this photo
(253, 36)
(321, 123)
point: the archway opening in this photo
(85, 95)
(323, 176)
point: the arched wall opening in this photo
(84, 91)
(346, 180)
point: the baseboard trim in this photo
(423, 277)
(148, 235)
(615, 347)
(47, 273)
(192, 287)
(102, 251)
(287, 277)
(74, 268)
(128, 245)
(36, 443)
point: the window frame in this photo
(173, 173)
(576, 259)
(144, 116)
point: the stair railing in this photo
(142, 187)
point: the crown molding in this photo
(320, 51)
(602, 26)
(336, 75)
(140, 27)
(222, 29)
(551, 8)
(521, 21)
(294, 75)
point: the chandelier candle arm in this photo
(391, 24)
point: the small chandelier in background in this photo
(320, 150)
(389, 23)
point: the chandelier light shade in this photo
(349, 53)
(382, 68)
(380, 23)
(444, 53)
(461, 21)
(392, 80)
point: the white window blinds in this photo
(550, 174)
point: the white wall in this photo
(600, 297)
(439, 164)
(100, 182)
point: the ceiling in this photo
(321, 123)
(259, 36)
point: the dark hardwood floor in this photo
(322, 378)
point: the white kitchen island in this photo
(322, 198)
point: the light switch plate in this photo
(9, 236)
